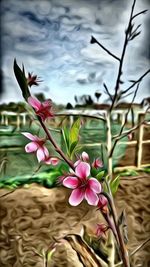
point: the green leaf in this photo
(100, 175)
(49, 255)
(74, 137)
(72, 148)
(114, 184)
(74, 132)
(21, 79)
(65, 134)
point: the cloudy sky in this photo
(52, 39)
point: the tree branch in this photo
(123, 249)
(122, 57)
(135, 251)
(129, 131)
(83, 115)
(107, 91)
(142, 12)
(126, 116)
(139, 247)
(57, 148)
(93, 40)
(135, 82)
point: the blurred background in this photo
(52, 40)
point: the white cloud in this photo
(52, 39)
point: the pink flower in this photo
(97, 163)
(51, 160)
(101, 229)
(37, 145)
(83, 187)
(102, 203)
(32, 80)
(84, 157)
(130, 136)
(43, 110)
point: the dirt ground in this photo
(31, 216)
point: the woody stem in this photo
(57, 148)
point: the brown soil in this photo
(31, 217)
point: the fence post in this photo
(18, 121)
(109, 143)
(140, 139)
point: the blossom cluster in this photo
(80, 179)
(43, 110)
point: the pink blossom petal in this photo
(91, 197)
(34, 102)
(85, 156)
(94, 185)
(54, 161)
(42, 115)
(77, 162)
(48, 161)
(46, 152)
(97, 163)
(102, 202)
(71, 182)
(31, 147)
(40, 154)
(47, 103)
(82, 170)
(76, 197)
(31, 136)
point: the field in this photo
(34, 214)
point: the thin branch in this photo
(8, 193)
(135, 251)
(122, 57)
(129, 131)
(107, 91)
(135, 82)
(139, 247)
(120, 238)
(57, 148)
(93, 40)
(126, 116)
(125, 133)
(83, 115)
(142, 12)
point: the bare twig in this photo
(125, 133)
(93, 40)
(139, 247)
(142, 12)
(135, 82)
(122, 57)
(123, 249)
(135, 251)
(8, 193)
(57, 148)
(82, 115)
(126, 116)
(107, 91)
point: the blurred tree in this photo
(98, 95)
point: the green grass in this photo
(48, 178)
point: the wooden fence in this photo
(117, 115)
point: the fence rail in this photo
(118, 115)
